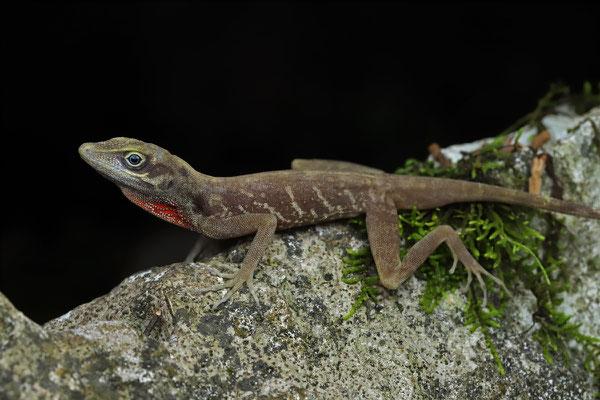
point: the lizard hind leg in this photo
(444, 233)
(382, 229)
(460, 252)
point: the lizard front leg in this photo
(207, 247)
(239, 225)
(382, 230)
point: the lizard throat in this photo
(166, 210)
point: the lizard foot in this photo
(460, 253)
(474, 268)
(236, 279)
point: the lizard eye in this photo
(135, 160)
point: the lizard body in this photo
(311, 192)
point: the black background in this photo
(234, 89)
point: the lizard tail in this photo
(550, 204)
(448, 191)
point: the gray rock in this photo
(295, 344)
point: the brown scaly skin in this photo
(312, 192)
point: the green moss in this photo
(502, 241)
(360, 270)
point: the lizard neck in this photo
(163, 208)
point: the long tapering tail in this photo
(448, 191)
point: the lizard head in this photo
(147, 174)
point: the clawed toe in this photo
(236, 284)
(478, 270)
(223, 299)
(220, 274)
(214, 287)
(483, 288)
(469, 280)
(235, 281)
(454, 263)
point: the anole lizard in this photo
(311, 192)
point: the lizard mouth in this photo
(108, 165)
(105, 164)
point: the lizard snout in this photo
(85, 149)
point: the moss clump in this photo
(502, 241)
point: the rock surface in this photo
(295, 344)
